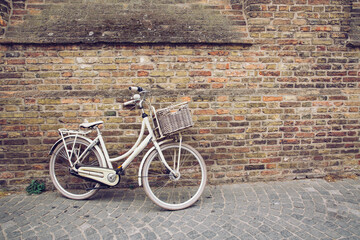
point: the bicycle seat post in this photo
(97, 131)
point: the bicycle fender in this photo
(84, 138)
(54, 146)
(145, 157)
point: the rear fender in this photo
(103, 160)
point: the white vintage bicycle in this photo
(172, 173)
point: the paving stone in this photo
(45, 237)
(208, 234)
(306, 209)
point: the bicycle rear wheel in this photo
(66, 183)
(169, 191)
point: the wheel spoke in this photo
(63, 154)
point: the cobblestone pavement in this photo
(305, 209)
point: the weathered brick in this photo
(105, 67)
(200, 73)
(219, 53)
(49, 101)
(48, 75)
(272, 98)
(162, 73)
(182, 52)
(254, 167)
(319, 2)
(290, 141)
(10, 75)
(142, 67)
(17, 61)
(16, 142)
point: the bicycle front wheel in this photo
(66, 183)
(169, 191)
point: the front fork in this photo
(175, 170)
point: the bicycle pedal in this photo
(120, 171)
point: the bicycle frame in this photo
(130, 155)
(137, 148)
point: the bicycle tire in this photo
(68, 185)
(168, 191)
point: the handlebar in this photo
(129, 103)
(139, 89)
(137, 98)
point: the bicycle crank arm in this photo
(103, 175)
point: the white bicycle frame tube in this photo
(136, 149)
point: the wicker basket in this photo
(174, 118)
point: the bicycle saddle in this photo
(91, 125)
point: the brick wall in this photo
(354, 34)
(5, 10)
(284, 107)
